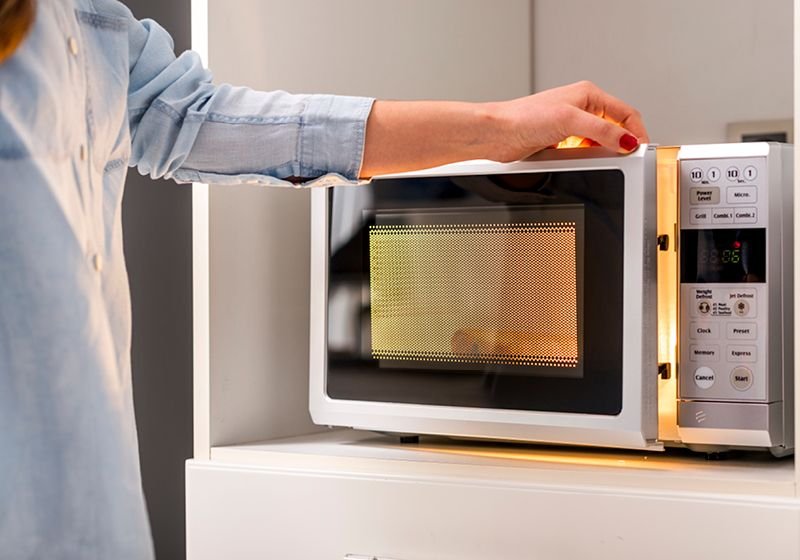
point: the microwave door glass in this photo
(483, 291)
(478, 290)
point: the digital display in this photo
(723, 255)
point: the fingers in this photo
(608, 134)
(604, 105)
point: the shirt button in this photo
(72, 43)
(97, 261)
(82, 152)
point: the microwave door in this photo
(489, 305)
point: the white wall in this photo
(259, 238)
(690, 66)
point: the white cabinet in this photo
(266, 483)
(344, 492)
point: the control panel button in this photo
(704, 353)
(745, 354)
(713, 174)
(741, 331)
(745, 215)
(722, 216)
(704, 331)
(741, 307)
(741, 195)
(704, 377)
(696, 175)
(741, 378)
(704, 308)
(732, 173)
(700, 216)
(704, 195)
(750, 173)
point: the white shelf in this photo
(365, 454)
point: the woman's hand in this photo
(407, 135)
(530, 124)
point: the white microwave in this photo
(580, 297)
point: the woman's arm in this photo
(403, 135)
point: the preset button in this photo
(741, 331)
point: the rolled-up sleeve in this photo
(186, 128)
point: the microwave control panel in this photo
(724, 287)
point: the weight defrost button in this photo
(704, 377)
(704, 307)
(741, 378)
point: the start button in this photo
(741, 378)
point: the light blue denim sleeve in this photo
(186, 128)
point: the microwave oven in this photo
(579, 297)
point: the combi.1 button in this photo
(741, 378)
(704, 377)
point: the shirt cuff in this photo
(332, 134)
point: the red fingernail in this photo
(628, 142)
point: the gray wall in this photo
(690, 67)
(157, 219)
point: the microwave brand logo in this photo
(475, 293)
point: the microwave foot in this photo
(781, 451)
(405, 439)
(716, 455)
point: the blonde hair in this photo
(16, 19)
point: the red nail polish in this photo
(628, 142)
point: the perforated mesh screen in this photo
(483, 293)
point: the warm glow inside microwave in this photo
(581, 297)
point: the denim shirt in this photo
(91, 91)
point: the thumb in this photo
(608, 134)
